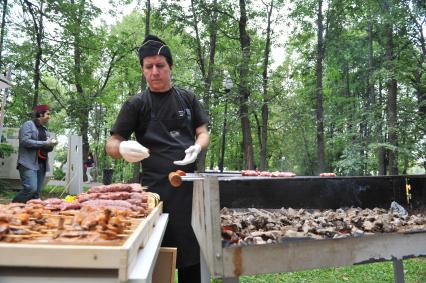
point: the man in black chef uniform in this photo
(171, 129)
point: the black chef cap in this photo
(152, 46)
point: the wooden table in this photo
(140, 270)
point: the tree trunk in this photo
(371, 100)
(265, 105)
(198, 48)
(3, 31)
(381, 152)
(207, 75)
(38, 28)
(392, 126)
(319, 90)
(82, 107)
(39, 54)
(350, 109)
(309, 159)
(419, 73)
(244, 92)
(148, 17)
(137, 166)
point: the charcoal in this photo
(254, 226)
(309, 226)
(417, 220)
(293, 234)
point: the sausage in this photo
(175, 179)
(249, 173)
(327, 175)
(286, 174)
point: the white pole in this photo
(74, 177)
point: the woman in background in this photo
(89, 165)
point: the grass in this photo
(6, 194)
(381, 272)
(414, 269)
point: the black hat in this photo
(152, 46)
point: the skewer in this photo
(44, 231)
(55, 227)
(18, 236)
(60, 215)
(20, 227)
(35, 218)
(68, 212)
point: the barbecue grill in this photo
(212, 192)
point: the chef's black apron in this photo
(167, 141)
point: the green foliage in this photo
(86, 94)
(58, 174)
(6, 150)
(350, 162)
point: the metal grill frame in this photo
(213, 192)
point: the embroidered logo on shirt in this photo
(175, 134)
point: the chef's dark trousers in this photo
(189, 274)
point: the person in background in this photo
(34, 145)
(89, 166)
(171, 129)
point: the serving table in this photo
(134, 261)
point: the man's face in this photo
(44, 118)
(157, 73)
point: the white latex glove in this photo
(191, 155)
(132, 151)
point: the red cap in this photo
(41, 108)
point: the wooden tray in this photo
(82, 256)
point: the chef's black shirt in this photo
(135, 114)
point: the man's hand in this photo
(51, 142)
(132, 151)
(191, 155)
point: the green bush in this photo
(58, 174)
(6, 150)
